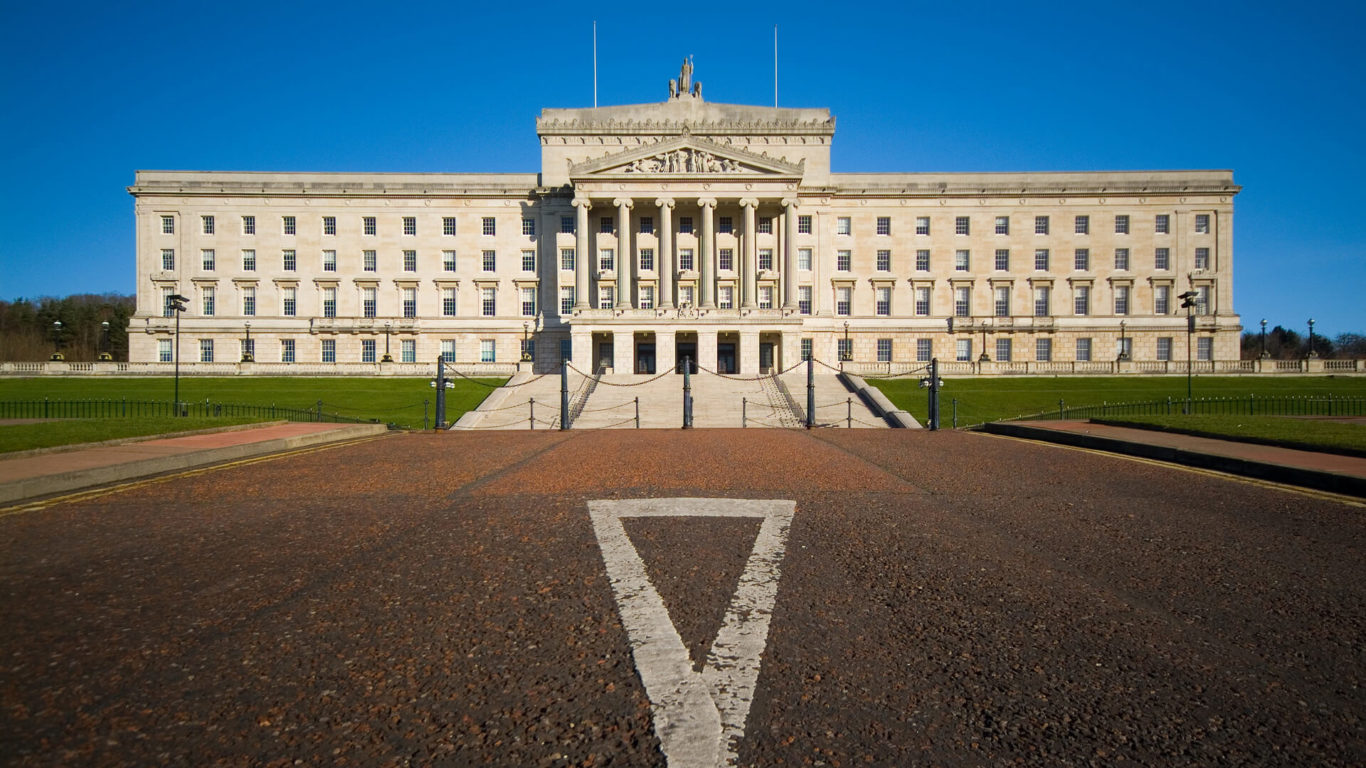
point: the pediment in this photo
(688, 156)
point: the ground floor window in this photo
(528, 349)
(164, 350)
(924, 350)
(329, 350)
(367, 350)
(206, 350)
(487, 351)
(567, 349)
(1043, 350)
(845, 348)
(248, 349)
(963, 350)
(1003, 350)
(806, 349)
(1083, 350)
(1164, 348)
(1204, 348)
(408, 351)
(286, 350)
(448, 350)
(884, 350)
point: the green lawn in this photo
(23, 437)
(1309, 434)
(390, 400)
(992, 399)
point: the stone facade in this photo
(742, 246)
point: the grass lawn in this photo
(1309, 434)
(23, 437)
(390, 400)
(991, 399)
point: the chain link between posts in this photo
(499, 386)
(630, 384)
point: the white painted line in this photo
(699, 717)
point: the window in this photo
(845, 349)
(962, 349)
(489, 226)
(329, 261)
(884, 350)
(962, 301)
(1083, 225)
(1204, 348)
(330, 302)
(409, 302)
(685, 259)
(164, 350)
(1041, 300)
(248, 347)
(766, 225)
(606, 259)
(248, 225)
(206, 223)
(410, 225)
(804, 258)
(1122, 259)
(806, 349)
(1121, 224)
(288, 225)
(329, 225)
(1002, 225)
(329, 350)
(1082, 259)
(529, 349)
(528, 302)
(1202, 258)
(1081, 300)
(1003, 350)
(922, 260)
(1202, 223)
(249, 300)
(1083, 350)
(206, 300)
(367, 350)
(726, 297)
(289, 301)
(725, 259)
(249, 260)
(368, 302)
(605, 225)
(843, 300)
(843, 261)
(1002, 304)
(804, 299)
(206, 350)
(725, 225)
(1043, 350)
(566, 225)
(566, 299)
(1121, 299)
(448, 302)
(528, 261)
(528, 226)
(647, 297)
(883, 301)
(685, 225)
(168, 259)
(647, 259)
(843, 225)
(448, 261)
(1162, 224)
(922, 302)
(1162, 258)
(167, 305)
(289, 260)
(168, 225)
(368, 227)
(370, 262)
(408, 350)
(924, 350)
(448, 226)
(1164, 348)
(765, 297)
(490, 261)
(962, 260)
(647, 225)
(960, 225)
(884, 261)
(448, 350)
(922, 225)
(488, 302)
(1202, 303)
(1041, 259)
(1162, 300)
(765, 259)
(804, 224)
(606, 297)
(1003, 259)
(286, 350)
(884, 225)
(685, 295)
(1040, 225)
(567, 259)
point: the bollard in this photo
(744, 413)
(637, 413)
(687, 393)
(440, 393)
(810, 392)
(849, 413)
(934, 394)
(531, 418)
(564, 394)
(955, 413)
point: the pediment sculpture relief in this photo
(685, 161)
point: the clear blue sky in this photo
(1276, 92)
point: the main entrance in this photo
(685, 348)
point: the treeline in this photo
(28, 333)
(1284, 344)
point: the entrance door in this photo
(645, 358)
(725, 357)
(605, 354)
(685, 350)
(766, 357)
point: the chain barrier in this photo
(632, 384)
(608, 408)
(760, 377)
(499, 386)
(916, 372)
(522, 404)
(608, 426)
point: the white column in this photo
(625, 258)
(665, 266)
(748, 267)
(581, 284)
(789, 257)
(706, 257)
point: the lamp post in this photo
(1188, 304)
(848, 352)
(526, 353)
(56, 339)
(247, 356)
(984, 357)
(1123, 337)
(104, 342)
(1264, 354)
(176, 303)
(388, 329)
(1312, 353)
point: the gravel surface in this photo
(946, 599)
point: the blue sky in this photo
(1276, 92)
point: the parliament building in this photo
(715, 232)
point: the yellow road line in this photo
(1314, 493)
(130, 485)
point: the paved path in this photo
(470, 598)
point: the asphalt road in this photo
(942, 599)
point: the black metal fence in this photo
(124, 408)
(1251, 405)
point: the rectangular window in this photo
(1164, 348)
(528, 261)
(528, 349)
(922, 302)
(1122, 259)
(1121, 224)
(448, 302)
(288, 225)
(528, 302)
(1002, 301)
(490, 261)
(448, 350)
(1162, 300)
(726, 297)
(962, 349)
(605, 225)
(884, 261)
(329, 350)
(167, 304)
(725, 225)
(368, 302)
(922, 225)
(647, 225)
(566, 225)
(1083, 225)
(1002, 225)
(448, 261)
(804, 299)
(1162, 258)
(962, 301)
(1041, 259)
(1202, 303)
(206, 303)
(567, 259)
(286, 350)
(248, 347)
(329, 261)
(168, 225)
(1003, 350)
(1043, 350)
(1041, 300)
(168, 259)
(685, 295)
(1003, 259)
(1204, 348)
(528, 226)
(1202, 258)
(725, 259)
(330, 302)
(844, 261)
(164, 353)
(1083, 350)
(248, 225)
(490, 227)
(647, 297)
(606, 297)
(606, 259)
(289, 260)
(843, 301)
(806, 349)
(685, 225)
(804, 224)
(367, 350)
(289, 301)
(206, 350)
(962, 261)
(448, 226)
(206, 224)
(488, 301)
(249, 260)
(804, 258)
(685, 260)
(884, 225)
(1082, 259)
(566, 299)
(329, 225)
(883, 301)
(845, 349)
(1081, 300)
(369, 261)
(410, 225)
(647, 259)
(765, 259)
(1040, 225)
(766, 225)
(1162, 224)
(408, 350)
(1202, 223)
(1121, 299)
(410, 302)
(368, 225)
(922, 260)
(843, 225)
(960, 225)
(884, 350)
(249, 300)
(924, 350)
(765, 297)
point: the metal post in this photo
(687, 392)
(810, 392)
(955, 413)
(177, 361)
(744, 412)
(637, 413)
(1062, 409)
(848, 413)
(934, 394)
(320, 409)
(531, 417)
(440, 393)
(564, 393)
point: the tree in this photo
(28, 333)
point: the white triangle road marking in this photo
(698, 717)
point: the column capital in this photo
(791, 202)
(582, 202)
(665, 202)
(623, 202)
(749, 202)
(706, 202)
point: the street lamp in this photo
(104, 342)
(57, 340)
(388, 329)
(1264, 354)
(1123, 338)
(846, 354)
(1188, 304)
(1312, 353)
(526, 353)
(177, 303)
(984, 357)
(247, 356)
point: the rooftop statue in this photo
(684, 85)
